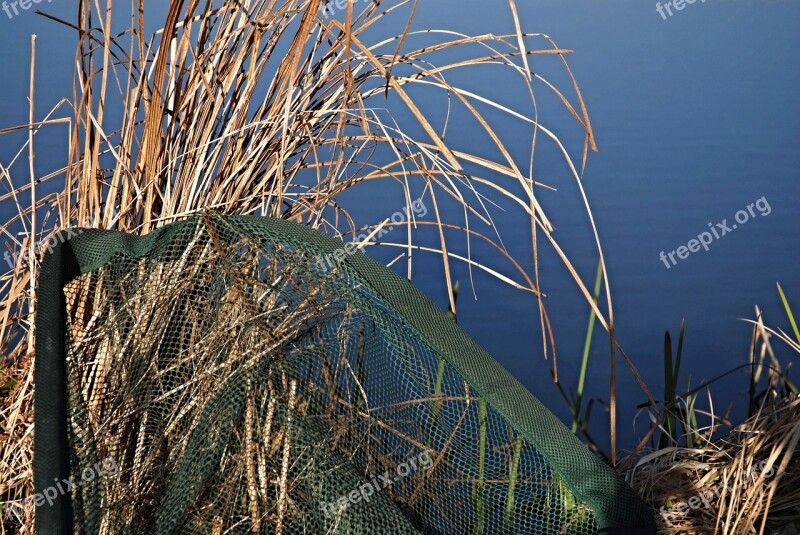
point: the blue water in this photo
(696, 118)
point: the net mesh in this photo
(228, 378)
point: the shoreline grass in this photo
(271, 110)
(275, 111)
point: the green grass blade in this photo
(789, 313)
(576, 409)
(667, 437)
(436, 406)
(680, 352)
(360, 357)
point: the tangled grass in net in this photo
(143, 398)
(227, 376)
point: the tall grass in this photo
(267, 107)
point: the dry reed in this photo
(746, 481)
(267, 108)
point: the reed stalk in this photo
(509, 521)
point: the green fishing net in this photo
(232, 374)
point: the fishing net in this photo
(232, 374)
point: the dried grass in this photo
(746, 482)
(267, 108)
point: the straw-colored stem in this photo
(509, 517)
(263, 451)
(249, 448)
(31, 167)
(287, 448)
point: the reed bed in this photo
(270, 108)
